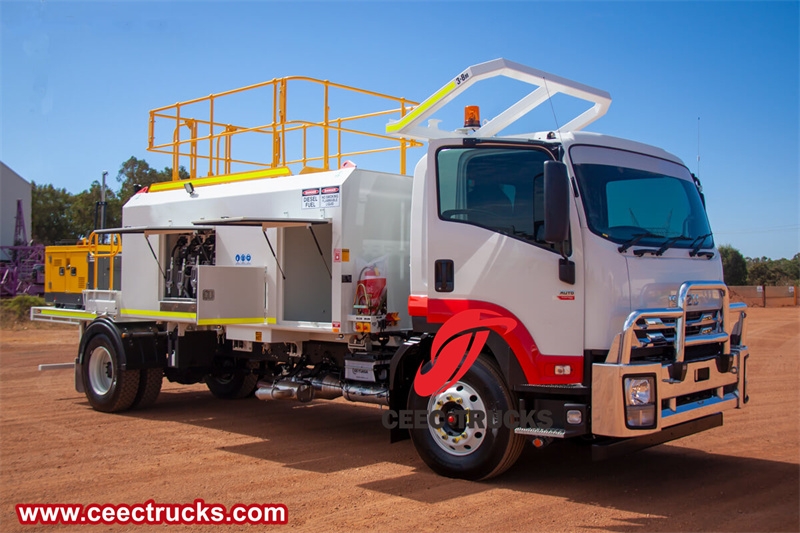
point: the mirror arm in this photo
(566, 268)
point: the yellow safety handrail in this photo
(211, 138)
(109, 250)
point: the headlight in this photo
(638, 391)
(640, 399)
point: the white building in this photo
(12, 188)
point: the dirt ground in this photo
(331, 463)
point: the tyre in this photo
(150, 381)
(108, 388)
(455, 449)
(232, 381)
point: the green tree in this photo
(766, 271)
(787, 270)
(57, 215)
(734, 265)
(51, 215)
(136, 173)
(760, 273)
(133, 175)
(86, 211)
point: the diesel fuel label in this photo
(311, 198)
(318, 197)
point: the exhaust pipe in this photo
(365, 393)
(285, 390)
(327, 387)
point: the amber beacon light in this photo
(472, 116)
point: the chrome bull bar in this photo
(652, 320)
(683, 390)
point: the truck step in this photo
(553, 433)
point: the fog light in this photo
(574, 416)
(641, 416)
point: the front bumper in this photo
(616, 447)
(683, 391)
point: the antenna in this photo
(552, 108)
(698, 147)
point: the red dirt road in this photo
(331, 463)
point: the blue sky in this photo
(77, 79)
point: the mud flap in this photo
(79, 376)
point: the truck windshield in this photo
(637, 199)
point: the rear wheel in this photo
(150, 381)
(108, 388)
(461, 449)
(231, 381)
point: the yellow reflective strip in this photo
(165, 314)
(421, 108)
(271, 320)
(66, 313)
(216, 180)
(211, 321)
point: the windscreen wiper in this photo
(698, 243)
(636, 238)
(668, 244)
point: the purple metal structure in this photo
(22, 272)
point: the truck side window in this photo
(500, 189)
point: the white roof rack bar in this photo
(548, 85)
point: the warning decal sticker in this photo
(330, 196)
(320, 197)
(310, 198)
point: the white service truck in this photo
(531, 287)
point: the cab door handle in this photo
(444, 275)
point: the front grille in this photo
(653, 355)
(655, 337)
(652, 335)
(702, 351)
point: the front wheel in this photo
(458, 444)
(108, 388)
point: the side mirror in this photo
(556, 202)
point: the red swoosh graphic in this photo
(464, 333)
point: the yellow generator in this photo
(70, 269)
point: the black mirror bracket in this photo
(566, 268)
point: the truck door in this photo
(484, 249)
